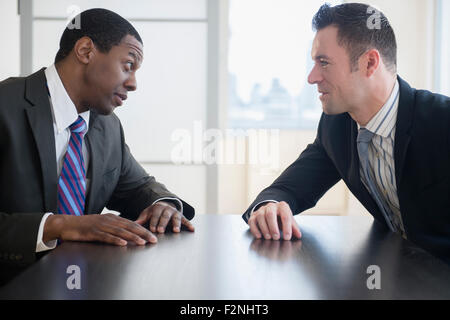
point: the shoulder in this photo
(11, 88)
(432, 103)
(431, 113)
(426, 104)
(11, 82)
(428, 113)
(16, 92)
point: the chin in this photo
(331, 110)
(327, 110)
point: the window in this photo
(269, 62)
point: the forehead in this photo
(131, 46)
(325, 44)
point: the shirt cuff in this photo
(259, 203)
(176, 201)
(40, 245)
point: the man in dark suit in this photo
(63, 155)
(390, 143)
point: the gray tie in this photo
(363, 140)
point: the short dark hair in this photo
(356, 32)
(104, 27)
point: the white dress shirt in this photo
(64, 113)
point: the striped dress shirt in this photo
(381, 156)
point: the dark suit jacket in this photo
(422, 168)
(28, 172)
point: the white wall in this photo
(412, 21)
(10, 35)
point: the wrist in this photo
(169, 203)
(53, 227)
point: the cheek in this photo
(350, 91)
(105, 78)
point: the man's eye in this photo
(129, 65)
(323, 63)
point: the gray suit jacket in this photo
(28, 172)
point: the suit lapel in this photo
(95, 143)
(403, 125)
(354, 176)
(41, 123)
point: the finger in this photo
(156, 212)
(109, 238)
(262, 225)
(185, 222)
(167, 213)
(132, 229)
(286, 223)
(271, 220)
(176, 222)
(254, 228)
(141, 231)
(143, 217)
(295, 229)
(124, 234)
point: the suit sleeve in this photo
(136, 190)
(304, 182)
(18, 236)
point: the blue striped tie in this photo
(72, 182)
(363, 140)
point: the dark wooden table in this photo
(222, 260)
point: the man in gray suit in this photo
(54, 181)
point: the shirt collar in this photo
(64, 110)
(383, 121)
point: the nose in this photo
(131, 83)
(315, 76)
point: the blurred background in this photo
(223, 105)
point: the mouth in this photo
(120, 98)
(323, 94)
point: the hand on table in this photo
(107, 228)
(160, 215)
(112, 229)
(270, 219)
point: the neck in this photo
(379, 93)
(71, 79)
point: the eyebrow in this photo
(135, 57)
(322, 56)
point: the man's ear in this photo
(84, 50)
(371, 61)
